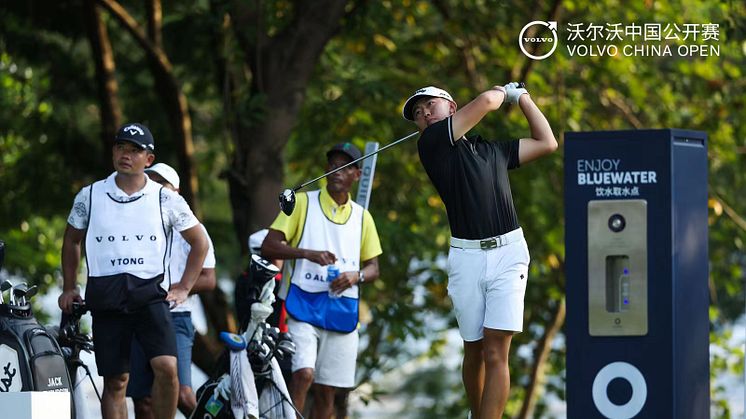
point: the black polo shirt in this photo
(471, 176)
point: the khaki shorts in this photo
(332, 355)
(487, 287)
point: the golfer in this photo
(488, 259)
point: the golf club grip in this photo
(303, 185)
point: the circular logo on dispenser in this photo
(633, 376)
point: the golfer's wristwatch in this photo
(360, 277)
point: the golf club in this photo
(18, 305)
(287, 197)
(31, 291)
(6, 285)
(12, 294)
(19, 293)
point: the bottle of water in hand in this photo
(332, 272)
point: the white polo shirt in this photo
(179, 253)
(175, 211)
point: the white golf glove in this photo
(514, 92)
(259, 313)
(223, 389)
(267, 297)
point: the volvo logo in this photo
(543, 39)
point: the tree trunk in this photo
(177, 108)
(281, 67)
(541, 354)
(106, 82)
(169, 92)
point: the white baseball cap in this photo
(430, 91)
(256, 240)
(167, 172)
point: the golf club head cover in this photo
(259, 313)
(233, 341)
(514, 90)
(267, 297)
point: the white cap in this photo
(167, 172)
(430, 91)
(256, 240)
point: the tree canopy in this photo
(245, 97)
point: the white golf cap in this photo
(430, 91)
(167, 172)
(256, 240)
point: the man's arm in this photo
(205, 282)
(542, 141)
(71, 244)
(370, 269)
(197, 240)
(347, 279)
(469, 116)
(275, 247)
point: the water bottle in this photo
(332, 272)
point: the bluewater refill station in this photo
(637, 274)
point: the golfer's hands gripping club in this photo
(513, 91)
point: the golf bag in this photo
(30, 359)
(247, 377)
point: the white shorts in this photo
(332, 355)
(487, 286)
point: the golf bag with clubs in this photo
(247, 381)
(30, 358)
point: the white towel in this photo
(272, 404)
(244, 400)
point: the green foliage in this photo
(50, 146)
(33, 249)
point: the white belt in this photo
(489, 243)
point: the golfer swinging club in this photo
(488, 259)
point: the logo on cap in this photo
(133, 129)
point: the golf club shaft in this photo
(355, 161)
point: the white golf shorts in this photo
(332, 355)
(487, 286)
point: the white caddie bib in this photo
(308, 298)
(126, 250)
(125, 237)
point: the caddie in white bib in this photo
(308, 298)
(126, 253)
